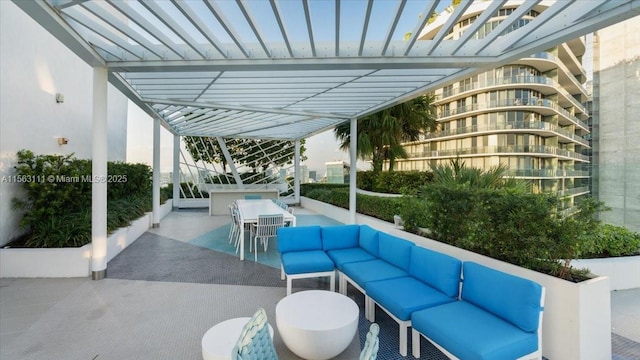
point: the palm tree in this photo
(380, 135)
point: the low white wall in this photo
(624, 272)
(577, 316)
(70, 262)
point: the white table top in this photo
(250, 209)
(317, 310)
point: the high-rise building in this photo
(616, 122)
(528, 115)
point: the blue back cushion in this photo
(395, 250)
(340, 237)
(440, 271)
(369, 239)
(299, 238)
(509, 297)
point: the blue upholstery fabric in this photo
(371, 344)
(344, 256)
(255, 341)
(340, 237)
(299, 238)
(395, 250)
(471, 333)
(369, 239)
(512, 298)
(437, 270)
(373, 270)
(402, 296)
(302, 262)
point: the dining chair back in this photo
(255, 342)
(267, 227)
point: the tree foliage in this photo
(380, 135)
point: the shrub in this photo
(393, 182)
(609, 240)
(56, 201)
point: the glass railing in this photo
(504, 149)
(574, 191)
(546, 173)
(517, 125)
(515, 102)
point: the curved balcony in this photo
(547, 173)
(532, 104)
(533, 150)
(544, 128)
(541, 84)
(574, 191)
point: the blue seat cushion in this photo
(402, 296)
(340, 236)
(344, 256)
(373, 270)
(368, 239)
(302, 262)
(435, 269)
(299, 238)
(510, 297)
(395, 250)
(471, 333)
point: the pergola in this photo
(273, 69)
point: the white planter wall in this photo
(70, 262)
(577, 317)
(624, 272)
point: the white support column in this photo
(99, 176)
(156, 173)
(297, 175)
(353, 152)
(176, 171)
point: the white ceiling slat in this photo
(226, 24)
(228, 69)
(147, 26)
(243, 5)
(172, 24)
(200, 24)
(307, 17)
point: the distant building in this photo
(528, 115)
(313, 176)
(615, 121)
(337, 172)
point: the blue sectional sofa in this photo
(500, 316)
(409, 281)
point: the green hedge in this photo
(56, 198)
(394, 182)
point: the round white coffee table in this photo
(218, 342)
(317, 324)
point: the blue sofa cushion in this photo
(340, 237)
(510, 297)
(368, 239)
(299, 238)
(435, 269)
(395, 250)
(302, 262)
(471, 333)
(364, 271)
(344, 256)
(402, 296)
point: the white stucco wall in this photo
(34, 66)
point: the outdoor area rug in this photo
(218, 240)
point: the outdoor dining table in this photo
(249, 211)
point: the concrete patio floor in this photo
(163, 293)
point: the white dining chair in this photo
(266, 228)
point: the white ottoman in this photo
(218, 342)
(317, 324)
